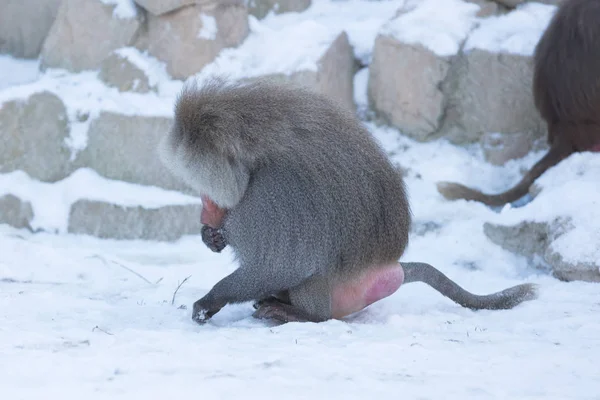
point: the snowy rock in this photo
(404, 86)
(24, 25)
(534, 240)
(568, 271)
(15, 212)
(85, 32)
(498, 148)
(192, 37)
(159, 7)
(32, 137)
(334, 76)
(124, 148)
(411, 59)
(529, 239)
(118, 71)
(490, 92)
(260, 8)
(107, 220)
(489, 87)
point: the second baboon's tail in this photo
(456, 191)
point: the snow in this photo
(209, 27)
(124, 9)
(89, 318)
(439, 25)
(51, 202)
(17, 71)
(516, 32)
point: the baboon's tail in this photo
(456, 191)
(503, 300)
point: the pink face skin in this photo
(212, 215)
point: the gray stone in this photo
(529, 239)
(84, 33)
(32, 137)
(124, 148)
(334, 77)
(24, 25)
(533, 240)
(260, 8)
(490, 92)
(499, 148)
(191, 37)
(117, 71)
(106, 220)
(15, 212)
(404, 86)
(568, 271)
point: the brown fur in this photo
(566, 91)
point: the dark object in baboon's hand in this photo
(313, 209)
(566, 90)
(213, 238)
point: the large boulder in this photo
(260, 8)
(85, 32)
(24, 25)
(411, 60)
(32, 137)
(15, 212)
(489, 87)
(334, 76)
(107, 220)
(191, 37)
(404, 86)
(459, 79)
(124, 148)
(490, 92)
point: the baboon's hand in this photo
(203, 311)
(213, 238)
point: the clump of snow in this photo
(124, 9)
(209, 28)
(439, 25)
(14, 71)
(517, 32)
(51, 202)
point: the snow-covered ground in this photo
(87, 318)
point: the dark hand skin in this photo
(213, 238)
(212, 219)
